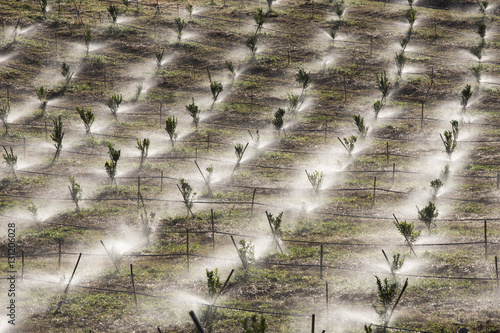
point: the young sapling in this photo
(293, 104)
(436, 184)
(113, 12)
(87, 38)
(159, 59)
(11, 160)
(304, 79)
(349, 143)
(111, 165)
(189, 8)
(400, 62)
(194, 112)
(259, 18)
(251, 43)
(114, 103)
(360, 124)
(187, 195)
(57, 136)
(246, 251)
(87, 117)
(316, 179)
(427, 215)
(215, 88)
(4, 115)
(465, 96)
(147, 220)
(33, 209)
(278, 120)
(76, 192)
(252, 325)
(143, 147)
(180, 23)
(171, 127)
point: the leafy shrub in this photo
(114, 103)
(194, 112)
(180, 27)
(427, 215)
(76, 192)
(113, 12)
(251, 43)
(386, 294)
(252, 325)
(303, 78)
(360, 124)
(170, 127)
(260, 18)
(246, 251)
(110, 166)
(465, 96)
(87, 117)
(316, 179)
(143, 147)
(407, 231)
(436, 184)
(11, 160)
(57, 136)
(278, 120)
(187, 195)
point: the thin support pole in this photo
(387, 151)
(313, 322)
(390, 266)
(422, 117)
(196, 322)
(187, 249)
(485, 240)
(133, 284)
(321, 262)
(327, 310)
(59, 253)
(161, 180)
(496, 270)
(253, 201)
(393, 172)
(498, 181)
(397, 301)
(138, 192)
(203, 176)
(213, 229)
(67, 287)
(22, 264)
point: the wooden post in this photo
(213, 229)
(393, 172)
(422, 117)
(496, 269)
(498, 181)
(161, 123)
(374, 188)
(59, 250)
(161, 180)
(67, 287)
(253, 200)
(187, 248)
(387, 151)
(326, 129)
(321, 262)
(485, 240)
(327, 311)
(22, 264)
(196, 322)
(313, 322)
(133, 284)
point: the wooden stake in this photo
(496, 269)
(196, 322)
(327, 311)
(422, 117)
(213, 229)
(59, 254)
(387, 151)
(133, 284)
(390, 266)
(67, 287)
(485, 240)
(22, 264)
(138, 192)
(393, 172)
(253, 200)
(187, 249)
(204, 179)
(321, 262)
(374, 188)
(161, 180)
(498, 181)
(397, 301)
(110, 256)
(313, 323)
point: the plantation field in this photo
(341, 157)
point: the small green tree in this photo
(397, 262)
(293, 104)
(427, 215)
(143, 147)
(407, 231)
(445, 173)
(76, 192)
(482, 6)
(481, 29)
(251, 43)
(454, 129)
(466, 95)
(147, 221)
(194, 112)
(213, 283)
(57, 136)
(411, 16)
(170, 127)
(215, 87)
(477, 51)
(436, 184)
(304, 79)
(333, 32)
(476, 72)
(111, 165)
(386, 294)
(41, 93)
(87, 38)
(43, 6)
(349, 143)
(138, 91)
(11, 160)
(239, 151)
(187, 195)
(269, 4)
(87, 117)
(4, 115)
(339, 9)
(33, 209)
(278, 120)
(180, 23)
(113, 12)
(360, 124)
(210, 174)
(400, 62)
(189, 8)
(260, 18)
(275, 224)
(316, 179)
(232, 72)
(114, 103)
(383, 85)
(450, 143)
(252, 325)
(159, 59)
(377, 106)
(68, 75)
(246, 251)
